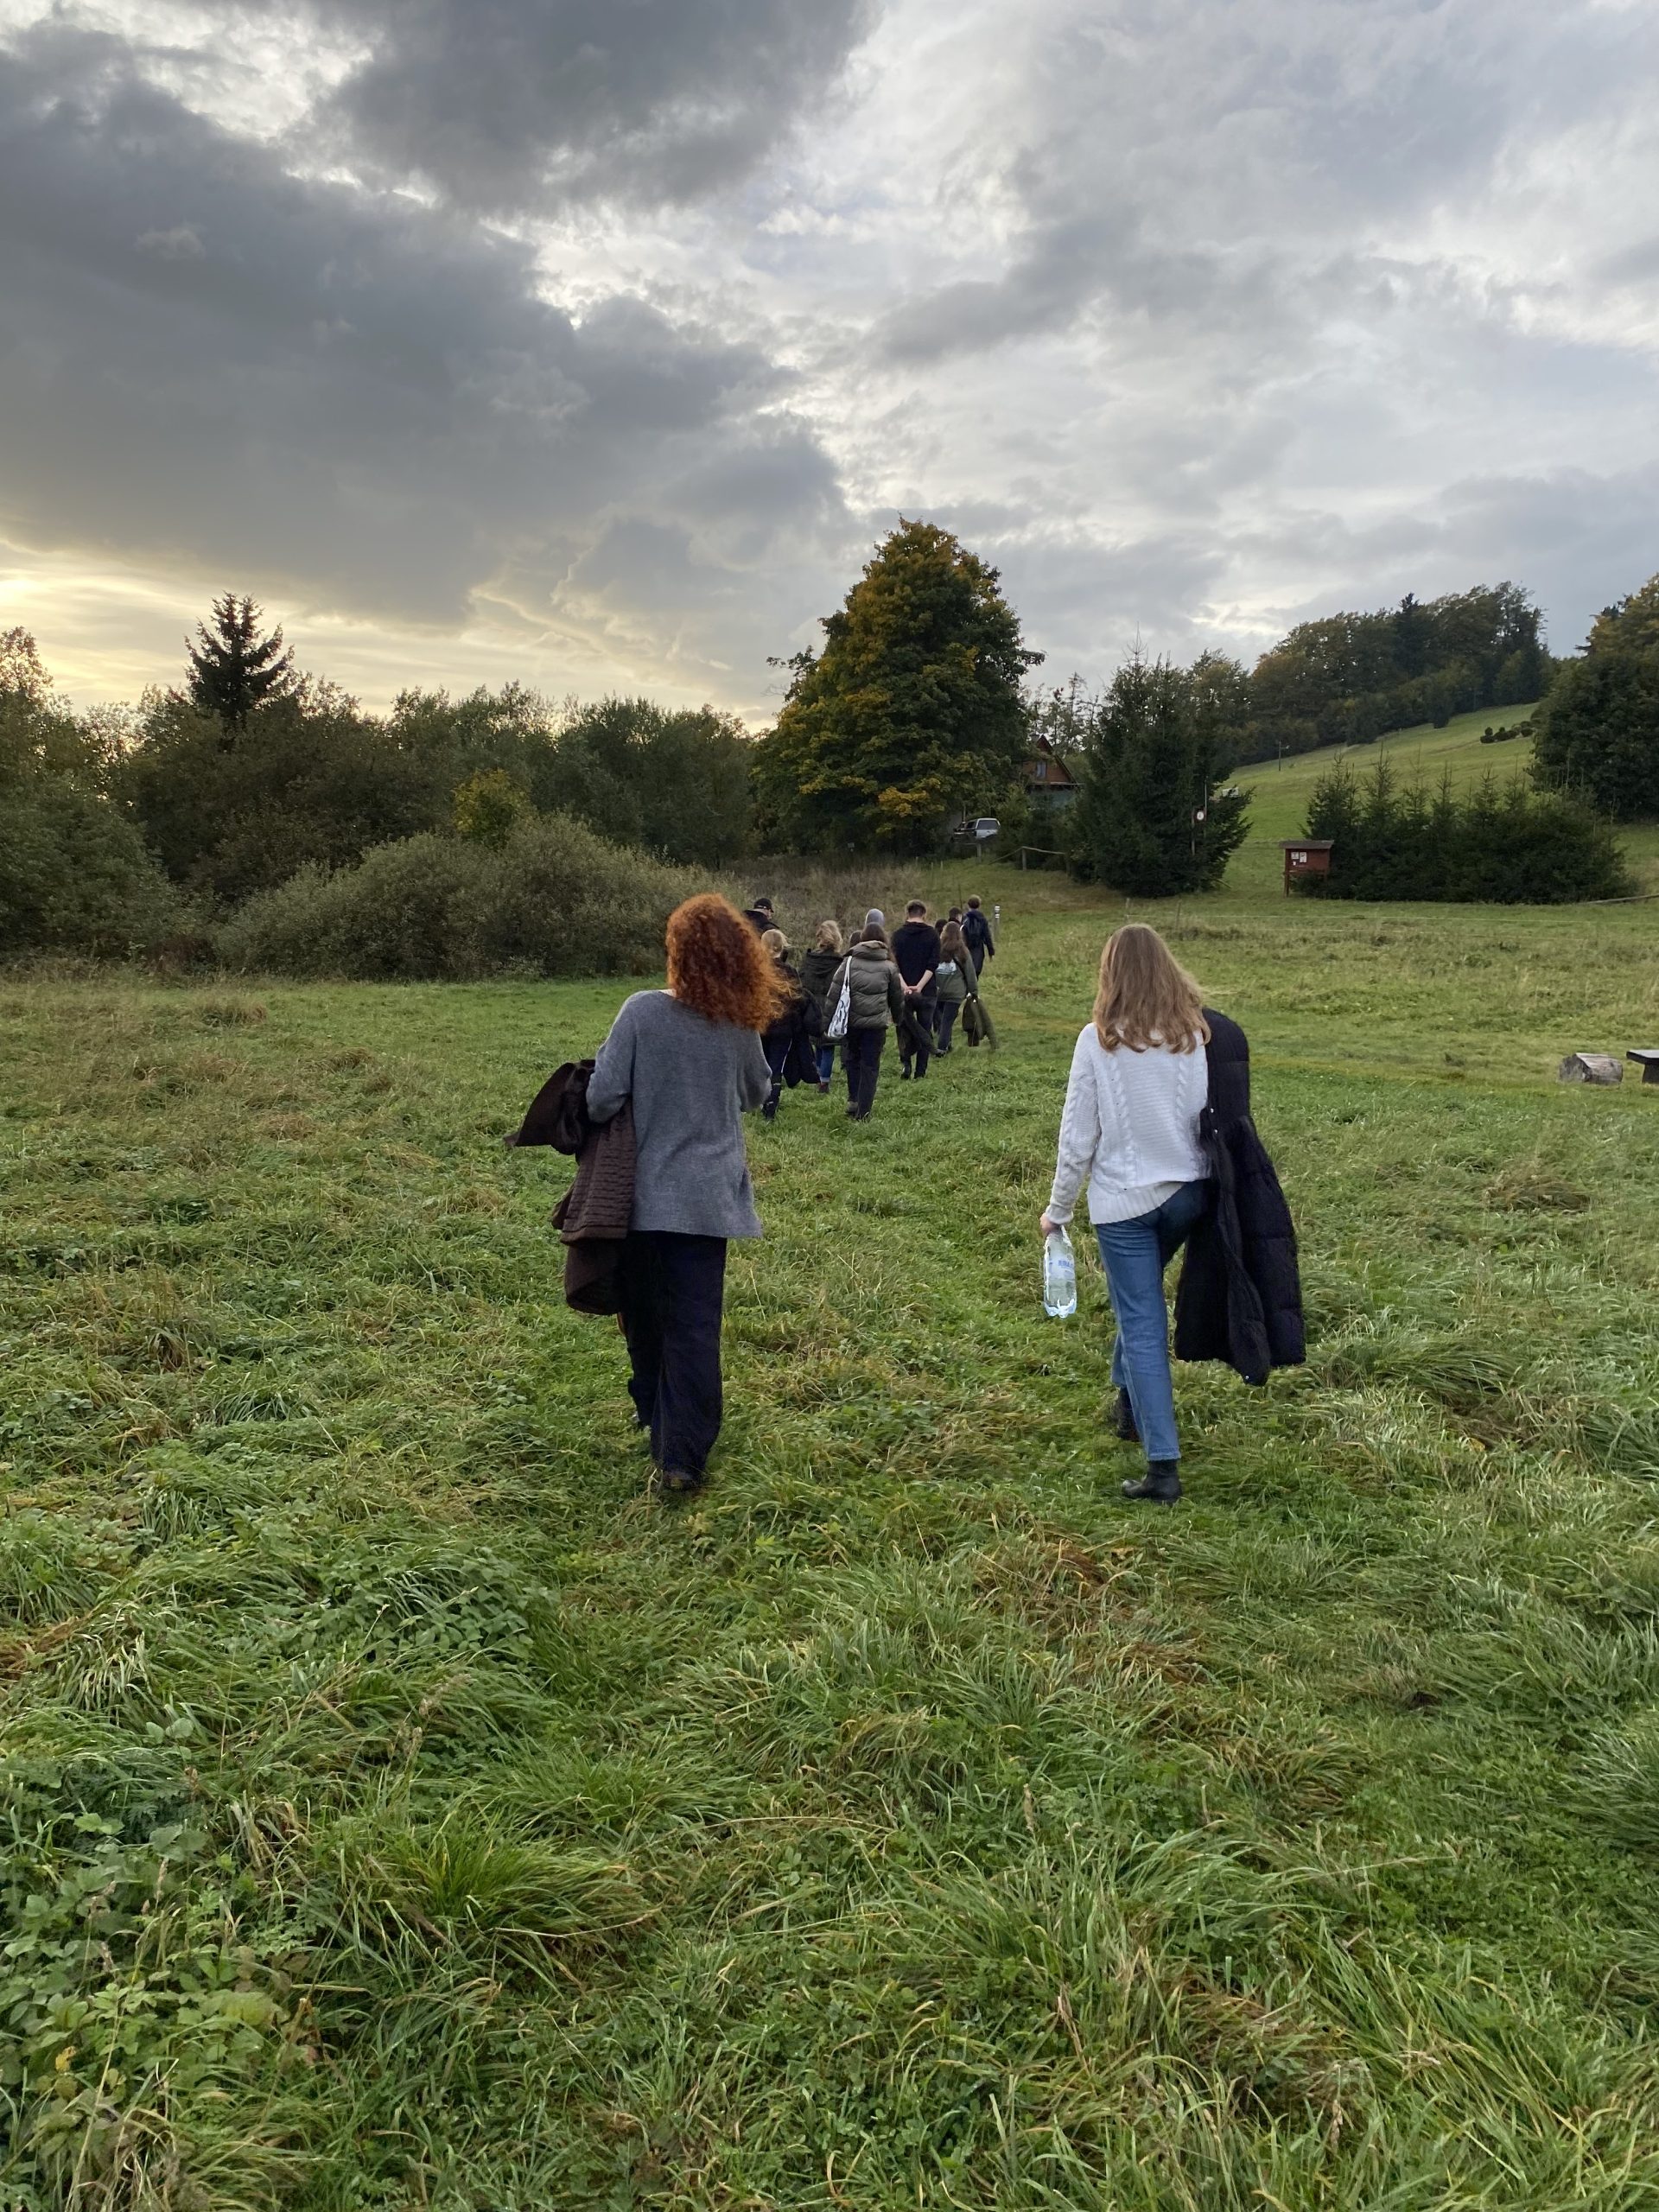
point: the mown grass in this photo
(404, 1811)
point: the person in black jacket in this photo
(916, 955)
(817, 970)
(789, 1022)
(978, 931)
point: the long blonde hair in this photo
(1147, 998)
(829, 936)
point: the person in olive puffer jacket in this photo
(878, 1003)
(955, 980)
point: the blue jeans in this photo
(826, 1054)
(1134, 1254)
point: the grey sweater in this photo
(691, 1081)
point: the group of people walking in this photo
(1156, 1129)
(913, 984)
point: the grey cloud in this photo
(349, 391)
(1577, 538)
(503, 103)
(1232, 170)
(181, 242)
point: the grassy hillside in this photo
(1280, 791)
(404, 1810)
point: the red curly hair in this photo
(718, 968)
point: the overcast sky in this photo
(595, 342)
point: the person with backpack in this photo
(873, 997)
(956, 982)
(976, 930)
(690, 1062)
(916, 955)
(785, 1031)
(817, 970)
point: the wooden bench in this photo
(1647, 1059)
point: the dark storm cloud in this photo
(499, 103)
(204, 357)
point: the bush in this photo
(309, 783)
(553, 900)
(74, 877)
(677, 784)
(1511, 846)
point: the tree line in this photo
(920, 707)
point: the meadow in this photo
(405, 1810)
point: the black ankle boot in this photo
(1161, 1484)
(1123, 1419)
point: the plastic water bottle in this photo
(1060, 1277)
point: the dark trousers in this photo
(945, 1020)
(923, 1008)
(777, 1050)
(673, 1293)
(863, 1058)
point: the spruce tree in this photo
(1148, 821)
(233, 669)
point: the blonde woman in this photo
(1130, 1135)
(816, 969)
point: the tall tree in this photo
(1598, 726)
(1059, 716)
(233, 669)
(675, 782)
(1148, 821)
(911, 713)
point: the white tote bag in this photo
(837, 1027)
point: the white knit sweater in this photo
(1130, 1129)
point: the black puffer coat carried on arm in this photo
(1240, 1296)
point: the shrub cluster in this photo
(1507, 844)
(552, 900)
(74, 874)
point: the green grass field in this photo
(404, 1811)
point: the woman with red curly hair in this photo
(690, 1061)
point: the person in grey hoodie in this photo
(690, 1061)
(878, 1002)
